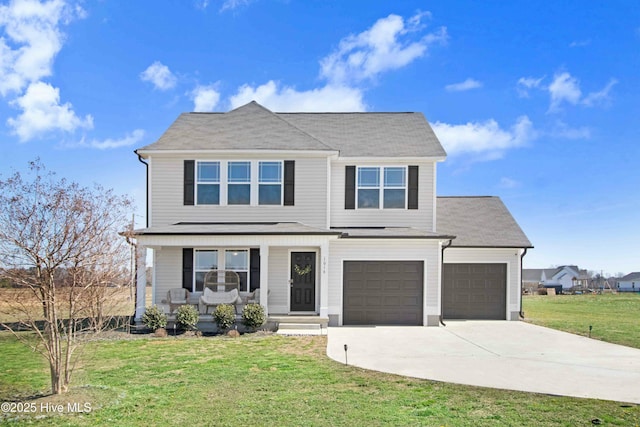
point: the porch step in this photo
(301, 329)
(309, 326)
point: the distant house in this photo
(629, 283)
(567, 276)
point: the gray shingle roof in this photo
(479, 222)
(229, 229)
(630, 277)
(253, 127)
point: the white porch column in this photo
(324, 279)
(264, 278)
(141, 280)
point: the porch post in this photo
(141, 280)
(324, 280)
(264, 278)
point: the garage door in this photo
(382, 292)
(474, 291)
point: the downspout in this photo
(521, 283)
(442, 278)
(147, 192)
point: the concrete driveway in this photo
(497, 354)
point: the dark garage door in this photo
(474, 291)
(382, 292)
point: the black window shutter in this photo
(289, 182)
(187, 268)
(412, 202)
(350, 187)
(189, 182)
(254, 269)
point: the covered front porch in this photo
(283, 264)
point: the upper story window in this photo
(381, 187)
(208, 183)
(226, 182)
(270, 183)
(239, 183)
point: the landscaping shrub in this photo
(225, 316)
(253, 316)
(187, 317)
(154, 318)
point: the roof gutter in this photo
(442, 278)
(147, 193)
(521, 313)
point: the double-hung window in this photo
(384, 187)
(270, 183)
(238, 261)
(205, 260)
(239, 183)
(208, 183)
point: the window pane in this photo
(269, 194)
(206, 260)
(368, 177)
(239, 172)
(394, 177)
(199, 282)
(270, 172)
(208, 172)
(236, 260)
(368, 199)
(239, 194)
(208, 194)
(394, 199)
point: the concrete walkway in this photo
(497, 354)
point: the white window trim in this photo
(254, 184)
(281, 183)
(222, 262)
(381, 187)
(197, 183)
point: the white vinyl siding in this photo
(278, 280)
(168, 272)
(423, 217)
(385, 250)
(166, 187)
(511, 257)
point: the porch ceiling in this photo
(234, 229)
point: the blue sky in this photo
(536, 102)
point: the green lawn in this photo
(269, 380)
(615, 317)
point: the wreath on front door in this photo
(300, 271)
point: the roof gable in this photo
(250, 127)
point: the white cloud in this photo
(205, 98)
(159, 75)
(284, 98)
(31, 40)
(562, 130)
(465, 85)
(564, 88)
(388, 45)
(485, 140)
(509, 183)
(580, 43)
(233, 4)
(43, 113)
(601, 97)
(526, 83)
(130, 139)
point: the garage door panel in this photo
(474, 291)
(383, 292)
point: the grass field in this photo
(615, 318)
(267, 380)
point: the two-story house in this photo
(332, 215)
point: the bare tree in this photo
(59, 244)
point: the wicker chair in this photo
(177, 297)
